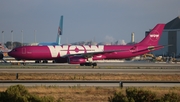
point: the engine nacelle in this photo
(77, 60)
(99, 57)
(60, 60)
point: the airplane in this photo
(58, 40)
(86, 55)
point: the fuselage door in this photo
(23, 50)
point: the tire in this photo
(94, 64)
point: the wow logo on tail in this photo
(153, 37)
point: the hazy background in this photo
(84, 20)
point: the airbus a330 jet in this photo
(86, 55)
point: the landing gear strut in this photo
(38, 61)
(45, 61)
(88, 64)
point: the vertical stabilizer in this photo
(60, 29)
(153, 37)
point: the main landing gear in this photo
(39, 61)
(88, 64)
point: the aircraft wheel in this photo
(37, 61)
(82, 64)
(94, 64)
(88, 64)
(24, 63)
(45, 61)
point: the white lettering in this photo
(154, 35)
(94, 48)
(64, 50)
(55, 50)
(76, 49)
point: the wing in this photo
(90, 54)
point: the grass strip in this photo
(90, 76)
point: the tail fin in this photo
(60, 29)
(153, 37)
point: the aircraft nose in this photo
(11, 53)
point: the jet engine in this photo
(60, 60)
(77, 60)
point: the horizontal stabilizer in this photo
(151, 48)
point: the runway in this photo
(138, 67)
(117, 64)
(119, 71)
